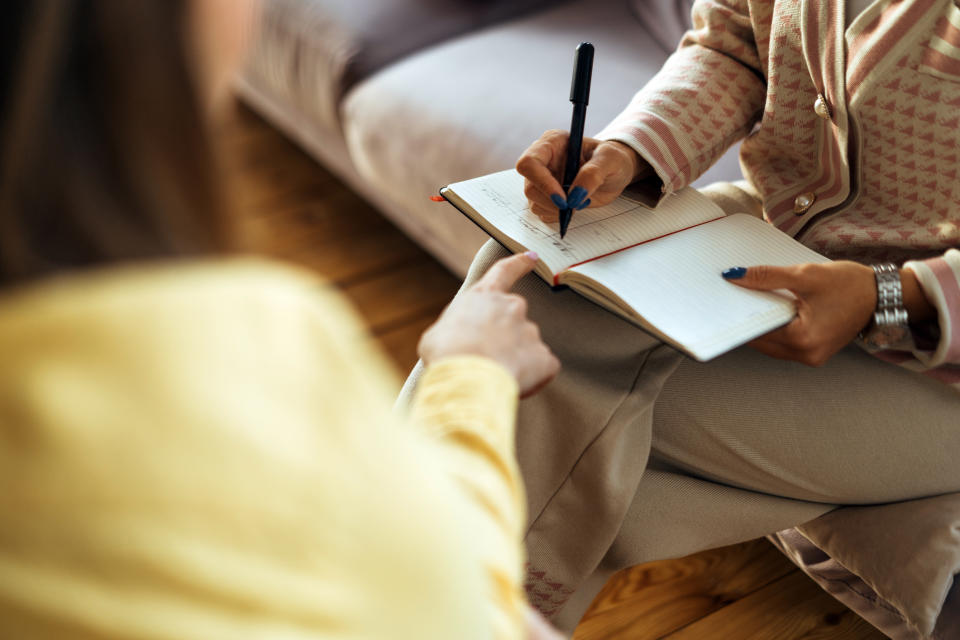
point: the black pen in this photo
(579, 96)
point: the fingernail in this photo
(576, 196)
(584, 205)
(532, 255)
(559, 200)
(734, 273)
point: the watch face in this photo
(886, 336)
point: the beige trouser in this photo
(637, 453)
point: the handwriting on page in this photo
(593, 232)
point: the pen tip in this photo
(565, 215)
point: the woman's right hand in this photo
(487, 320)
(607, 167)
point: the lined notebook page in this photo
(674, 282)
(593, 232)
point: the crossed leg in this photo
(636, 453)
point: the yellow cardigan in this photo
(207, 450)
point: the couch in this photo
(400, 97)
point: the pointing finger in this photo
(506, 272)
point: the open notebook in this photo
(659, 268)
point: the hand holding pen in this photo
(606, 167)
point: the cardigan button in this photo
(821, 108)
(803, 202)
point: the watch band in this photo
(889, 311)
(889, 327)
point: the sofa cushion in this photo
(666, 20)
(309, 52)
(894, 564)
(471, 105)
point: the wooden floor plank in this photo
(791, 608)
(275, 187)
(391, 300)
(401, 343)
(332, 218)
(272, 171)
(654, 599)
(365, 256)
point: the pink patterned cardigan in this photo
(852, 136)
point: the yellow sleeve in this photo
(209, 452)
(468, 405)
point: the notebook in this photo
(658, 268)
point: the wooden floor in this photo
(292, 208)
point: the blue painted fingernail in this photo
(576, 196)
(584, 205)
(559, 200)
(734, 273)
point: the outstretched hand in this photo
(487, 320)
(834, 301)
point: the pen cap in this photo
(582, 71)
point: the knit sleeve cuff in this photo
(656, 142)
(940, 280)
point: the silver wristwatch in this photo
(889, 325)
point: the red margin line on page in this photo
(556, 278)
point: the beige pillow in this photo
(907, 552)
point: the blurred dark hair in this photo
(104, 153)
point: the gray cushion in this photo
(309, 52)
(471, 105)
(666, 20)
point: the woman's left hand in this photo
(835, 300)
